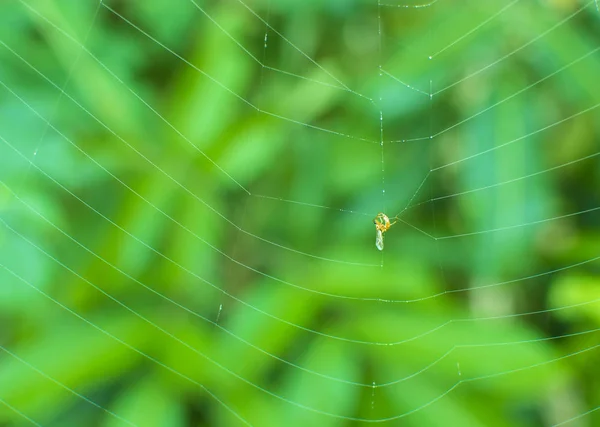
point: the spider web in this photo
(187, 193)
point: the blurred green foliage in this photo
(186, 203)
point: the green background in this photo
(151, 272)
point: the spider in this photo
(382, 224)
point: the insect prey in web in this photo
(382, 224)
